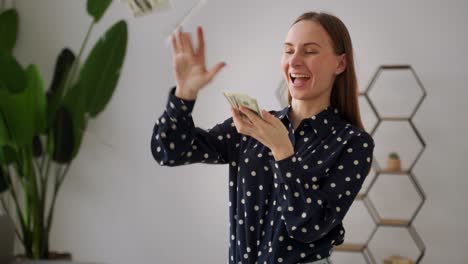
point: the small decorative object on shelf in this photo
(397, 260)
(393, 162)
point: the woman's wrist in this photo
(180, 93)
(283, 152)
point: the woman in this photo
(294, 173)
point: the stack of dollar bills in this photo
(238, 99)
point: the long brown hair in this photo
(345, 92)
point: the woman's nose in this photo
(295, 60)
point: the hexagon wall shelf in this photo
(391, 230)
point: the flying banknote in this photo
(144, 7)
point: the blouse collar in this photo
(323, 123)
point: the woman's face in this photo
(308, 61)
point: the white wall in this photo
(119, 206)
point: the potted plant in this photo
(393, 162)
(41, 131)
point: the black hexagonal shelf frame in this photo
(408, 224)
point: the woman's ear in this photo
(342, 63)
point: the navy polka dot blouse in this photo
(281, 211)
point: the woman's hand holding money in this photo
(270, 131)
(189, 65)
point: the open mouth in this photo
(299, 78)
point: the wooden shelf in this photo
(395, 66)
(394, 222)
(386, 169)
(349, 247)
(394, 118)
(403, 172)
(360, 196)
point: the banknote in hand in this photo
(238, 99)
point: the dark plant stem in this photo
(58, 182)
(35, 199)
(37, 170)
(26, 238)
(75, 64)
(44, 239)
(42, 163)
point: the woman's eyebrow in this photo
(305, 44)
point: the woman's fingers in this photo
(180, 35)
(268, 117)
(201, 42)
(183, 42)
(188, 43)
(215, 70)
(252, 116)
(175, 46)
(272, 120)
(242, 126)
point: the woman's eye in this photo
(306, 52)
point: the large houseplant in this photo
(41, 131)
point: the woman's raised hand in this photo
(189, 65)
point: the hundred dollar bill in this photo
(238, 99)
(144, 7)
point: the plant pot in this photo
(393, 164)
(7, 238)
(54, 258)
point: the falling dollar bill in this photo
(238, 99)
(144, 7)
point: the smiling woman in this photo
(319, 47)
(294, 173)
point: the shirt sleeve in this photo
(176, 141)
(313, 204)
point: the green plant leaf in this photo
(97, 8)
(8, 30)
(12, 75)
(37, 146)
(3, 181)
(18, 117)
(101, 70)
(75, 103)
(37, 100)
(24, 112)
(7, 155)
(63, 66)
(62, 136)
(4, 135)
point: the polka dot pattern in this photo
(276, 207)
